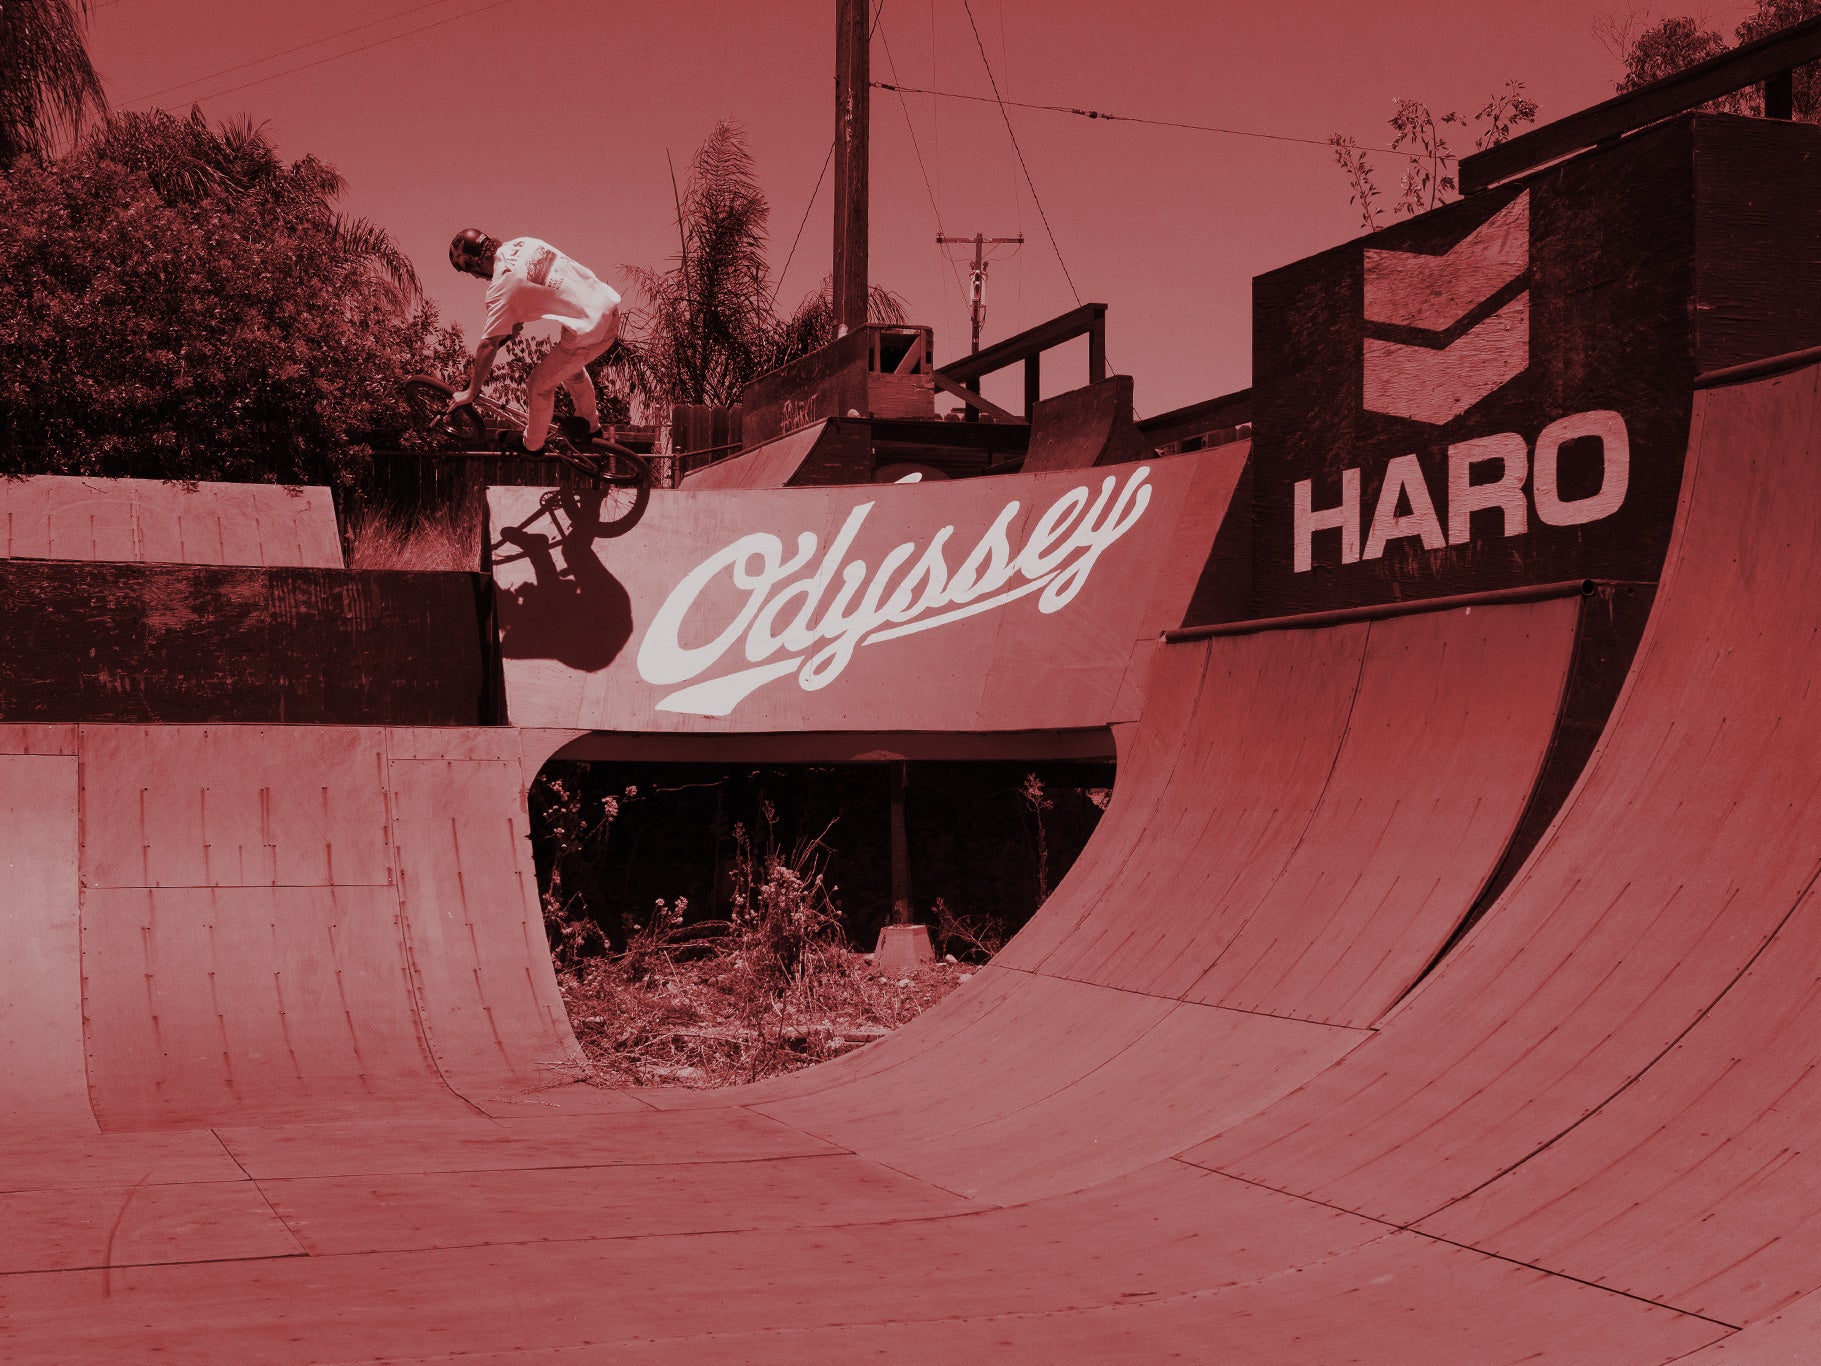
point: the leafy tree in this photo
(1770, 17)
(703, 328)
(1665, 48)
(47, 85)
(189, 162)
(1676, 43)
(196, 318)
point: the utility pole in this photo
(853, 94)
(977, 271)
(977, 293)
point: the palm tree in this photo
(47, 84)
(705, 327)
(188, 160)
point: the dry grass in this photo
(449, 540)
(698, 1022)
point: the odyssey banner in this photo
(1002, 603)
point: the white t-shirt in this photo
(533, 281)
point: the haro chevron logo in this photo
(1450, 352)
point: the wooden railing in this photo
(1769, 62)
(962, 377)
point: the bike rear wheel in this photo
(619, 478)
(610, 466)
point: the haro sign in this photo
(1517, 467)
(782, 614)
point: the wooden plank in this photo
(43, 1087)
(599, 1198)
(473, 928)
(1757, 240)
(148, 1224)
(1795, 46)
(1065, 327)
(96, 642)
(234, 806)
(970, 397)
(1195, 419)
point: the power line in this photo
(274, 56)
(934, 203)
(1019, 151)
(807, 209)
(1124, 118)
(332, 57)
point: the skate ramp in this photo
(769, 466)
(1305, 816)
(1617, 1054)
(273, 924)
(1085, 427)
(1495, 1161)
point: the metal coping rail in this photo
(1756, 369)
(1569, 588)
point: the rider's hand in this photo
(461, 398)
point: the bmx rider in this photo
(529, 281)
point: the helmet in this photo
(469, 246)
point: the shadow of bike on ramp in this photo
(573, 610)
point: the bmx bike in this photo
(479, 425)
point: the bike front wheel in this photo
(428, 402)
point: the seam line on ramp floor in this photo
(1183, 1001)
(265, 1199)
(1465, 1247)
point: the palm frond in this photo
(47, 84)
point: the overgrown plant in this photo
(782, 918)
(572, 826)
(710, 1003)
(1037, 802)
(974, 938)
(1419, 135)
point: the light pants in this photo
(564, 365)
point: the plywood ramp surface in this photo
(150, 521)
(1267, 1277)
(1306, 816)
(42, 1082)
(1621, 1050)
(763, 467)
(272, 924)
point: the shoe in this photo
(577, 429)
(513, 443)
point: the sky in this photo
(563, 119)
